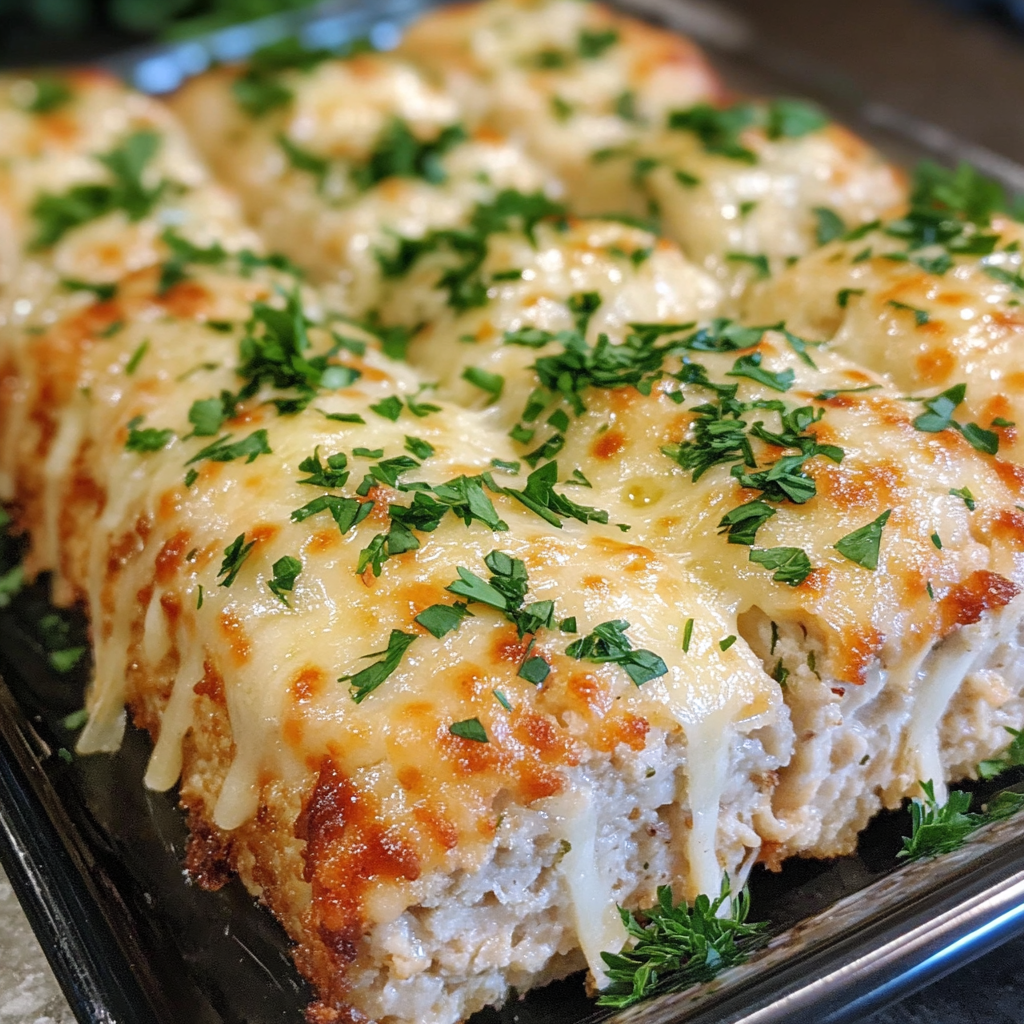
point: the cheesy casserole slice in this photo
(474, 570)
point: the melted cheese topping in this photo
(892, 615)
(565, 79)
(721, 209)
(600, 123)
(340, 113)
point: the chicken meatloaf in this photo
(472, 571)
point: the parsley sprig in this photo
(676, 946)
(940, 828)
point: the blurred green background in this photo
(34, 31)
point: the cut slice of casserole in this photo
(852, 539)
(438, 733)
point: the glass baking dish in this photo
(96, 859)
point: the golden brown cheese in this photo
(146, 554)
(747, 212)
(470, 822)
(45, 156)
(633, 122)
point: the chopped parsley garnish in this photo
(258, 90)
(491, 383)
(441, 619)
(57, 214)
(862, 545)
(502, 699)
(76, 720)
(759, 262)
(208, 415)
(49, 94)
(937, 541)
(720, 128)
(539, 496)
(830, 225)
(398, 153)
(505, 591)
(750, 366)
(343, 417)
(625, 107)
(462, 279)
(676, 946)
(844, 295)
(286, 571)
(470, 729)
(302, 160)
(593, 43)
(464, 496)
(964, 493)
(721, 436)
(939, 416)
(332, 475)
(921, 316)
(608, 644)
(346, 512)
(104, 292)
(136, 357)
(687, 635)
(221, 450)
(725, 644)
(561, 108)
(146, 439)
(257, 93)
(949, 209)
(742, 523)
(364, 682)
(275, 351)
(390, 408)
(235, 555)
(793, 119)
(789, 565)
(534, 670)
(418, 447)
